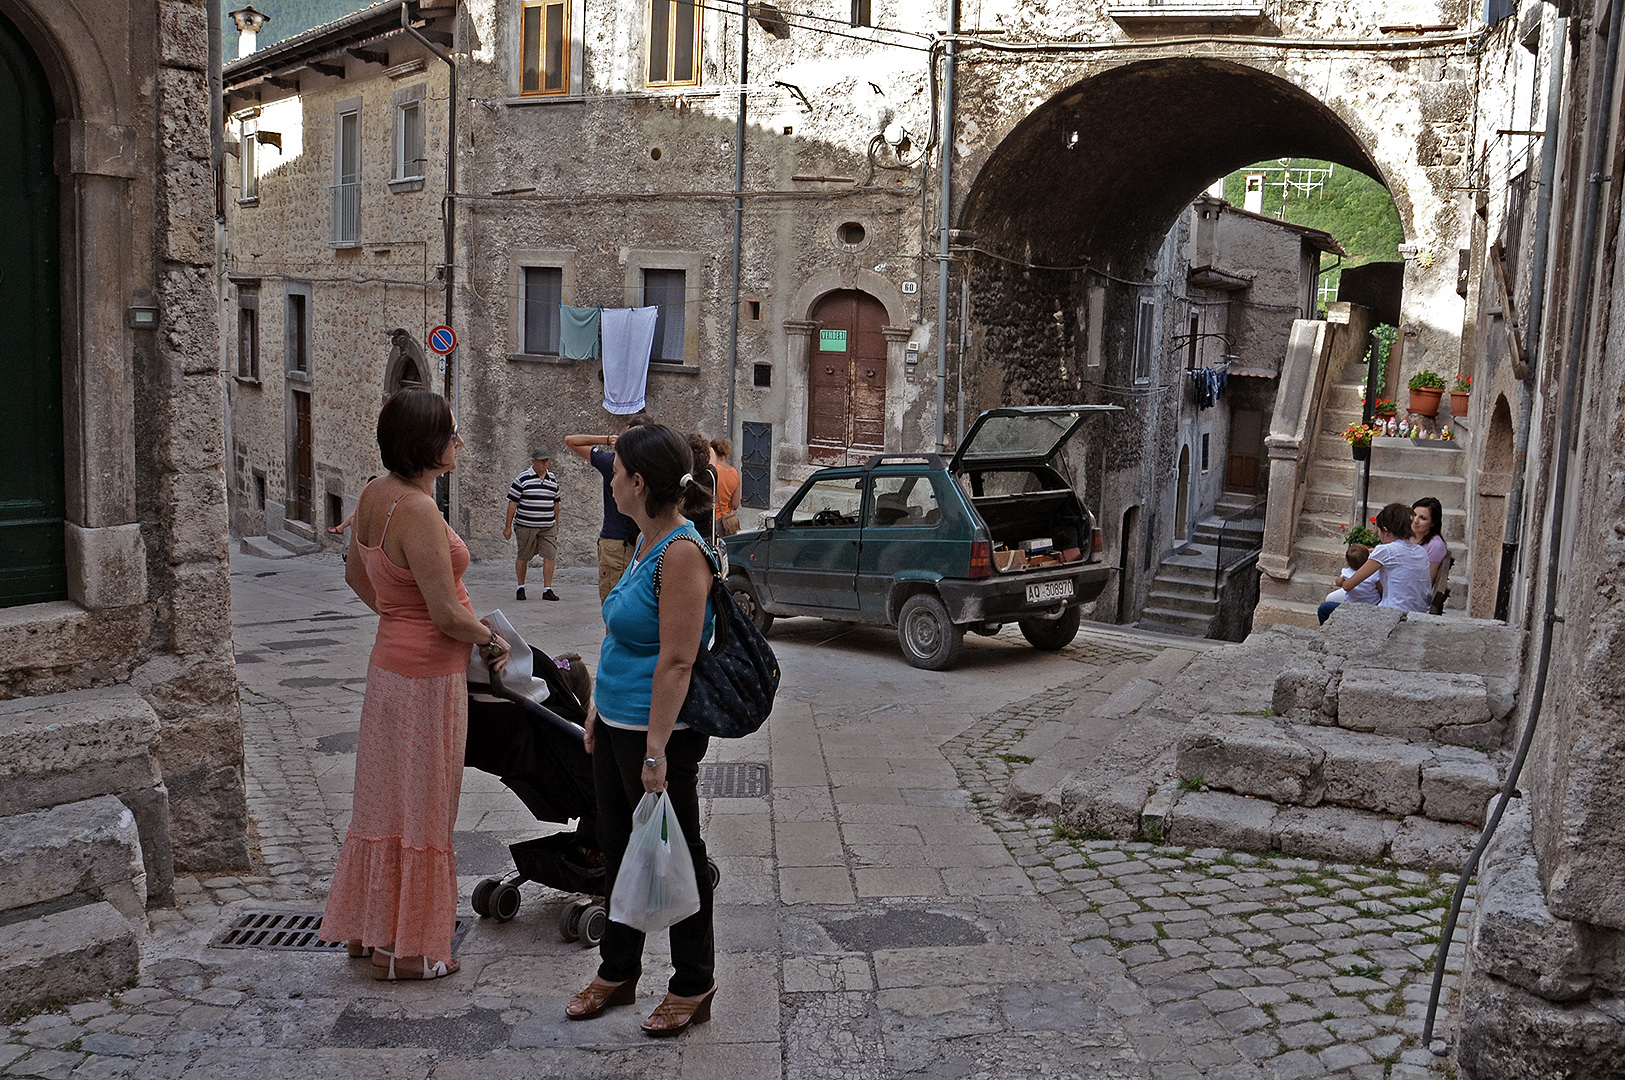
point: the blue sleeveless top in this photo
(626, 663)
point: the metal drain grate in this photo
(291, 931)
(733, 780)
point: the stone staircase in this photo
(1402, 470)
(84, 837)
(1183, 597)
(297, 539)
(1375, 739)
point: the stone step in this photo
(68, 956)
(1197, 586)
(294, 544)
(68, 747)
(263, 547)
(1232, 502)
(1248, 532)
(1316, 521)
(1181, 622)
(1308, 765)
(1423, 467)
(1159, 626)
(1277, 607)
(1200, 606)
(70, 855)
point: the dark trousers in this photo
(1324, 611)
(617, 769)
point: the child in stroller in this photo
(533, 743)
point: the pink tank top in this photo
(408, 642)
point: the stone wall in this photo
(150, 600)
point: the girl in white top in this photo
(1407, 576)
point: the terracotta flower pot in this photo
(1458, 402)
(1425, 402)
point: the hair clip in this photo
(688, 478)
(562, 664)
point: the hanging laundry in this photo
(629, 337)
(578, 332)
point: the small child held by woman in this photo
(1368, 591)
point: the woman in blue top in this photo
(637, 745)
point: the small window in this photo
(753, 310)
(861, 13)
(851, 233)
(1196, 335)
(347, 176)
(673, 33)
(1143, 342)
(248, 333)
(669, 290)
(298, 332)
(762, 375)
(335, 510)
(904, 502)
(829, 504)
(1205, 461)
(248, 160)
(544, 290)
(409, 157)
(1097, 322)
(259, 490)
(544, 32)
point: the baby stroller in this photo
(526, 728)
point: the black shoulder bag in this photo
(731, 687)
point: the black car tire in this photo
(745, 597)
(1055, 634)
(929, 638)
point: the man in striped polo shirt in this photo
(533, 512)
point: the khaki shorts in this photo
(534, 542)
(614, 556)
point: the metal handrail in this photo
(1253, 512)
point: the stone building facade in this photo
(116, 413)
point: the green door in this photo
(813, 553)
(32, 565)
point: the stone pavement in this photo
(878, 915)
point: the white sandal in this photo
(436, 970)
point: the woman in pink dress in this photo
(394, 894)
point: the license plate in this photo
(1043, 591)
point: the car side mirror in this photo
(769, 522)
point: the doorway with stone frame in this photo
(846, 384)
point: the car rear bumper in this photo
(1003, 598)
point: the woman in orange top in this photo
(727, 485)
(394, 894)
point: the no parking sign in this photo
(442, 339)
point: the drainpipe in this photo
(1596, 177)
(1537, 302)
(739, 207)
(949, 62)
(452, 386)
(217, 167)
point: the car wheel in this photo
(745, 596)
(1052, 634)
(929, 638)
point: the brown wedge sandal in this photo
(600, 995)
(676, 1015)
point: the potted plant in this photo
(1459, 394)
(1427, 387)
(1384, 408)
(1360, 535)
(1359, 437)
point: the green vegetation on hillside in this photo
(287, 18)
(1350, 205)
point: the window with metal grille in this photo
(669, 290)
(409, 157)
(347, 174)
(544, 289)
(544, 47)
(673, 32)
(1143, 342)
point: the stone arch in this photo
(800, 337)
(1492, 482)
(405, 358)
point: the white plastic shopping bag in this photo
(656, 886)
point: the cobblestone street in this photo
(878, 915)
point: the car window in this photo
(1009, 482)
(904, 502)
(829, 504)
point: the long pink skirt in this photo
(396, 879)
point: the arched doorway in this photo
(405, 367)
(1489, 521)
(846, 384)
(33, 562)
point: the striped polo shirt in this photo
(537, 497)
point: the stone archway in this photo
(1492, 483)
(1182, 495)
(406, 366)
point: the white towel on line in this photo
(628, 337)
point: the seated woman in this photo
(1427, 518)
(1406, 577)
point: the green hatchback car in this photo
(933, 547)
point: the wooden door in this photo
(33, 563)
(846, 393)
(1246, 452)
(304, 470)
